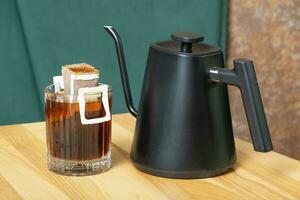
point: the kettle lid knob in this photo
(187, 39)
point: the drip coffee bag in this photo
(76, 76)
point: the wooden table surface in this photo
(24, 173)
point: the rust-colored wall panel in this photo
(269, 33)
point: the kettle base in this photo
(184, 174)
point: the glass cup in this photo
(78, 130)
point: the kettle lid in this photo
(186, 43)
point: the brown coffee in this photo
(68, 139)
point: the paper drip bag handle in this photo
(103, 89)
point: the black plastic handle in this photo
(187, 39)
(243, 76)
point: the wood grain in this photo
(24, 173)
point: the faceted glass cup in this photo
(78, 130)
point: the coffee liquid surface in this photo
(68, 139)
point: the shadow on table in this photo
(119, 155)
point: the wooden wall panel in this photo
(269, 33)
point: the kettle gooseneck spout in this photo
(123, 69)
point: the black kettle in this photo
(183, 127)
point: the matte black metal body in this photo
(183, 127)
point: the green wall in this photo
(39, 36)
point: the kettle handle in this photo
(243, 76)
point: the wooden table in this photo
(24, 173)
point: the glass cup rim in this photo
(47, 90)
